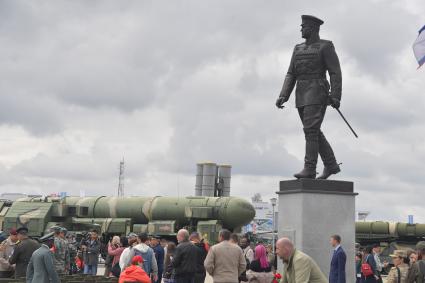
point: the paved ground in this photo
(101, 271)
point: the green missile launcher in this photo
(120, 215)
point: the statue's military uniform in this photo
(307, 70)
(403, 270)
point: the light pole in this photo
(273, 202)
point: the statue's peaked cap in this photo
(307, 19)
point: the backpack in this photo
(366, 268)
(147, 259)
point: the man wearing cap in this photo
(59, 251)
(6, 250)
(23, 252)
(417, 270)
(41, 268)
(400, 269)
(309, 63)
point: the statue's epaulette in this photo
(299, 45)
(326, 42)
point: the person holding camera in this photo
(115, 249)
(91, 249)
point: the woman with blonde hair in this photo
(115, 249)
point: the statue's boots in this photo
(311, 154)
(306, 173)
(327, 171)
(328, 157)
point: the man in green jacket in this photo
(298, 267)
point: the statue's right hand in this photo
(279, 102)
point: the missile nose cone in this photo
(239, 212)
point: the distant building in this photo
(15, 196)
(263, 221)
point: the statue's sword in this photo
(346, 122)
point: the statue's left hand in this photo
(279, 102)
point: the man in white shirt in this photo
(126, 254)
(379, 264)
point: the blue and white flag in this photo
(419, 47)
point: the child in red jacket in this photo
(134, 273)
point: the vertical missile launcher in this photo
(162, 216)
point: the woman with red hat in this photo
(134, 273)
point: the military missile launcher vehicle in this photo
(380, 231)
(391, 236)
(162, 216)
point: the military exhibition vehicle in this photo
(162, 216)
(390, 235)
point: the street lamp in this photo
(273, 202)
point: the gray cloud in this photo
(169, 84)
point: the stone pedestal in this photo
(310, 211)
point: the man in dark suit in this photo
(337, 273)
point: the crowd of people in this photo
(53, 255)
(232, 260)
(150, 259)
(408, 266)
(135, 258)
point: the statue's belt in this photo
(311, 76)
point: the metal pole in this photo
(273, 245)
(346, 122)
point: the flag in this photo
(419, 47)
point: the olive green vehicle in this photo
(391, 236)
(162, 216)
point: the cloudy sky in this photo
(166, 84)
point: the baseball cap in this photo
(399, 253)
(132, 235)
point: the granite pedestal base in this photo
(310, 211)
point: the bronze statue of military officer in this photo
(309, 63)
